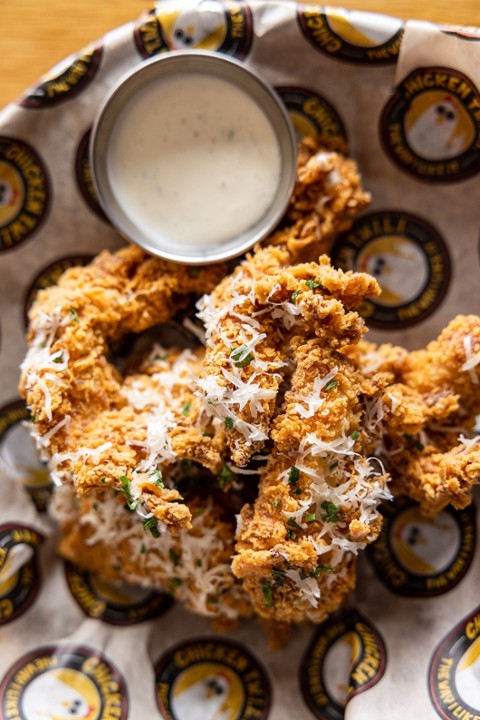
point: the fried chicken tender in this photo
(327, 196)
(99, 535)
(247, 345)
(246, 327)
(426, 413)
(84, 422)
(318, 496)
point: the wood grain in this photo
(36, 34)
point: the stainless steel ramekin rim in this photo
(204, 61)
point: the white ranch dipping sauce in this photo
(193, 161)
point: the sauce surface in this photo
(193, 161)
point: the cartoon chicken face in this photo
(437, 127)
(61, 694)
(207, 691)
(200, 24)
(398, 265)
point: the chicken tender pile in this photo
(244, 476)
(424, 419)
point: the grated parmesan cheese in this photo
(314, 401)
(472, 361)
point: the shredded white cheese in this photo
(472, 361)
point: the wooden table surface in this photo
(36, 34)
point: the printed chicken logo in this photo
(352, 35)
(19, 574)
(423, 556)
(83, 175)
(65, 80)
(346, 657)
(437, 126)
(19, 454)
(430, 126)
(454, 676)
(408, 258)
(399, 266)
(61, 683)
(196, 24)
(114, 603)
(313, 116)
(207, 691)
(24, 192)
(61, 695)
(210, 679)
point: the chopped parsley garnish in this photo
(143, 549)
(310, 518)
(275, 502)
(333, 466)
(293, 523)
(150, 524)
(158, 481)
(332, 512)
(293, 475)
(194, 271)
(174, 557)
(240, 361)
(267, 593)
(58, 359)
(295, 295)
(413, 442)
(278, 576)
(186, 408)
(312, 284)
(319, 569)
(331, 385)
(355, 435)
(229, 424)
(198, 563)
(95, 507)
(297, 491)
(74, 315)
(225, 477)
(104, 479)
(131, 503)
(291, 535)
(176, 582)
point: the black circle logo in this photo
(24, 192)
(313, 116)
(19, 574)
(200, 24)
(65, 80)
(417, 555)
(454, 675)
(19, 454)
(351, 35)
(430, 127)
(83, 175)
(63, 682)
(49, 276)
(346, 657)
(214, 678)
(127, 605)
(409, 259)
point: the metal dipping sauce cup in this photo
(176, 65)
